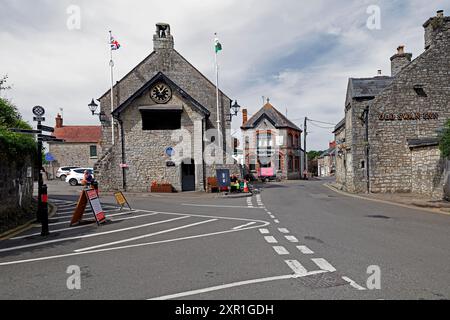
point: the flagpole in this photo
(111, 64)
(219, 132)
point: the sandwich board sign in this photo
(121, 200)
(91, 197)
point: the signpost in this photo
(42, 214)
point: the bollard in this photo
(44, 211)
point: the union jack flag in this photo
(115, 45)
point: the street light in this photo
(235, 110)
(93, 107)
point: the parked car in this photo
(63, 172)
(76, 175)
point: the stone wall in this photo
(16, 190)
(427, 170)
(390, 157)
(73, 154)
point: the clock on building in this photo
(161, 93)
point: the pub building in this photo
(388, 141)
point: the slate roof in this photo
(175, 88)
(367, 87)
(328, 152)
(79, 134)
(339, 125)
(269, 112)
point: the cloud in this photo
(298, 53)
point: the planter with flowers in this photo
(163, 187)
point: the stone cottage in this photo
(392, 124)
(81, 147)
(272, 144)
(165, 119)
(326, 163)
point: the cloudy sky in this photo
(298, 53)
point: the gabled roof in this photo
(79, 134)
(147, 58)
(329, 152)
(367, 87)
(269, 112)
(161, 77)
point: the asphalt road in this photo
(295, 240)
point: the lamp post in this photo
(235, 110)
(93, 107)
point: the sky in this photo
(298, 53)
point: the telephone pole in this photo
(304, 144)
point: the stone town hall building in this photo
(162, 103)
(388, 141)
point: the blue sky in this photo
(298, 53)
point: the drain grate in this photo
(322, 280)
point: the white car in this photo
(63, 172)
(76, 175)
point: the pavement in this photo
(292, 241)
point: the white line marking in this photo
(214, 206)
(57, 230)
(353, 283)
(264, 231)
(283, 230)
(296, 267)
(305, 250)
(108, 216)
(280, 250)
(276, 221)
(232, 285)
(144, 236)
(324, 264)
(291, 239)
(90, 235)
(245, 225)
(270, 239)
(264, 224)
(272, 216)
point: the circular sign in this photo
(38, 111)
(170, 151)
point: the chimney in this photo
(434, 26)
(162, 40)
(244, 116)
(59, 121)
(399, 60)
(379, 74)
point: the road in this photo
(294, 240)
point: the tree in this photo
(444, 144)
(3, 85)
(314, 154)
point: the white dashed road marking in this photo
(270, 239)
(283, 230)
(276, 221)
(296, 267)
(324, 264)
(291, 239)
(305, 250)
(280, 250)
(264, 231)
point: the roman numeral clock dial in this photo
(161, 93)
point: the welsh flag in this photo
(217, 45)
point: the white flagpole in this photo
(219, 132)
(111, 64)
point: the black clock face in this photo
(161, 93)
